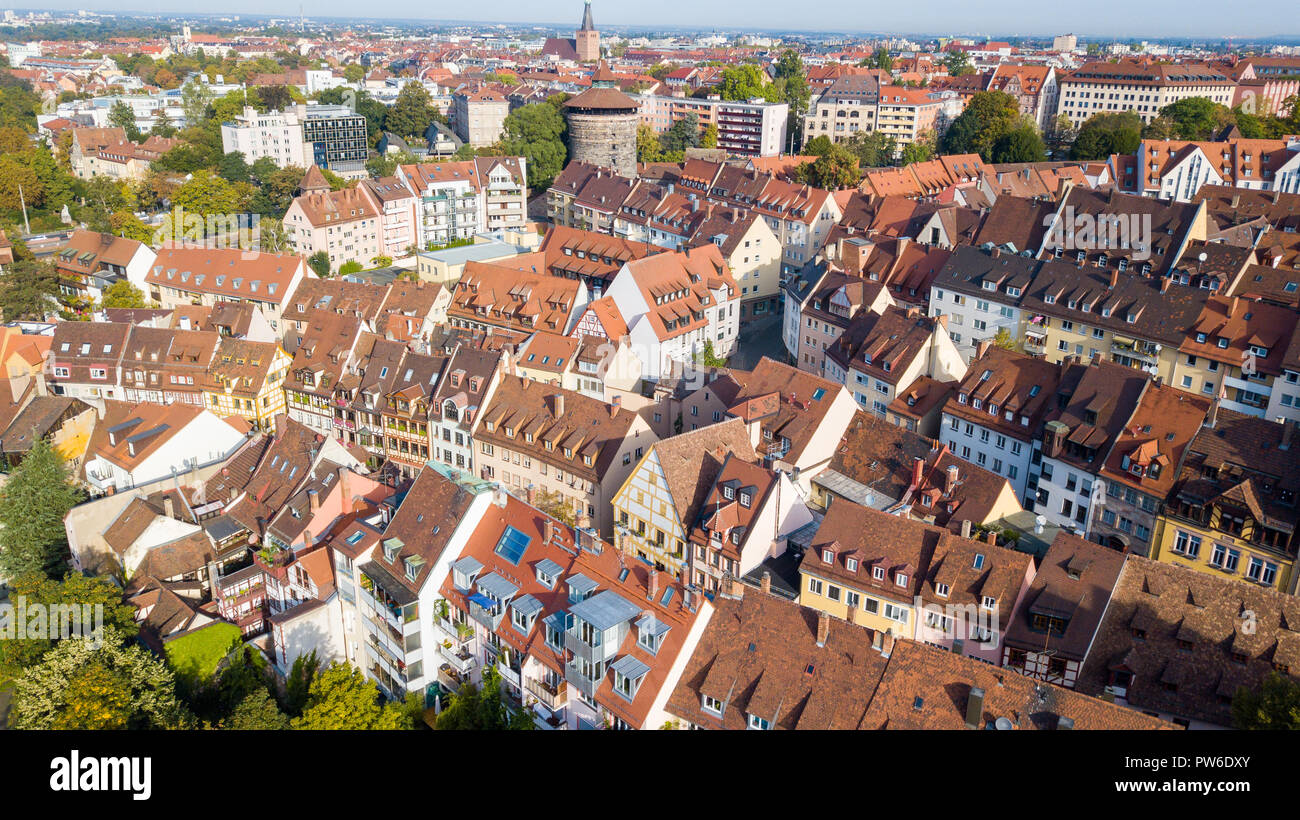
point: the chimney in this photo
(313, 500)
(887, 645)
(1164, 284)
(918, 472)
(169, 506)
(1287, 430)
(965, 528)
(974, 707)
(823, 628)
(653, 585)
(306, 538)
(559, 405)
(950, 479)
(735, 589)
(1114, 278)
(1213, 417)
(982, 348)
(766, 584)
(991, 537)
(614, 404)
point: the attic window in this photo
(900, 579)
(941, 590)
(828, 556)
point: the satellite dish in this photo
(1004, 724)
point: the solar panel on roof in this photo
(512, 545)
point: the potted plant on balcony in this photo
(464, 630)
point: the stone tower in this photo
(586, 40)
(602, 124)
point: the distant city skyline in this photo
(1118, 19)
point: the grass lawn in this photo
(197, 653)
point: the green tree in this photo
(708, 358)
(1193, 118)
(233, 167)
(536, 132)
(123, 117)
(257, 711)
(874, 149)
(879, 59)
(75, 589)
(33, 502)
(275, 97)
(833, 170)
(920, 150)
(1021, 144)
(1005, 340)
(19, 184)
(742, 82)
(297, 686)
(131, 689)
(354, 72)
(341, 698)
(958, 63)
(187, 158)
(207, 193)
(122, 294)
(350, 266)
(29, 289)
(988, 117)
(553, 504)
(709, 139)
(648, 147)
(1108, 133)
(1274, 705)
(484, 708)
(319, 262)
(818, 146)
(412, 113)
(683, 134)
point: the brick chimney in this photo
(823, 628)
(950, 479)
(974, 707)
(313, 500)
(766, 585)
(918, 472)
(1114, 278)
(982, 348)
(559, 405)
(653, 586)
(169, 506)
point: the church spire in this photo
(587, 24)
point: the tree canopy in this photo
(340, 697)
(536, 132)
(989, 116)
(483, 708)
(1107, 133)
(33, 502)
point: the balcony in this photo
(486, 611)
(553, 698)
(458, 658)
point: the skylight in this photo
(512, 545)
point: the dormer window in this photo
(900, 579)
(987, 602)
(878, 573)
(941, 590)
(746, 499)
(851, 564)
(828, 556)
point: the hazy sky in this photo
(1109, 18)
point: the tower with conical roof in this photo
(586, 40)
(602, 124)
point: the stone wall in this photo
(605, 140)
